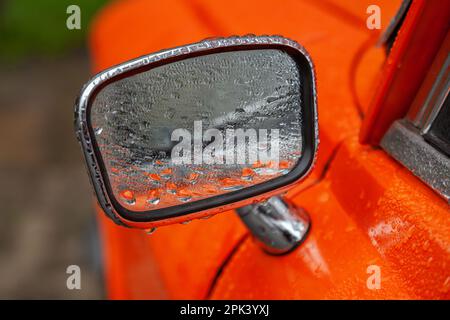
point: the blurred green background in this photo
(46, 204)
(37, 27)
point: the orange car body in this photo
(366, 209)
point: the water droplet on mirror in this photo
(153, 201)
(266, 171)
(283, 164)
(232, 188)
(171, 187)
(150, 231)
(247, 174)
(128, 197)
(257, 164)
(154, 176)
(114, 171)
(258, 170)
(153, 197)
(185, 199)
(271, 99)
(130, 202)
(166, 172)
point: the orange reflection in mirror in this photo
(193, 188)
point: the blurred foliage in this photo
(38, 27)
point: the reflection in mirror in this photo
(199, 127)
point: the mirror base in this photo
(278, 226)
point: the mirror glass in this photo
(199, 127)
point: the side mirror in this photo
(189, 132)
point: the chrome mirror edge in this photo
(82, 103)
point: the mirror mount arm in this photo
(278, 226)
